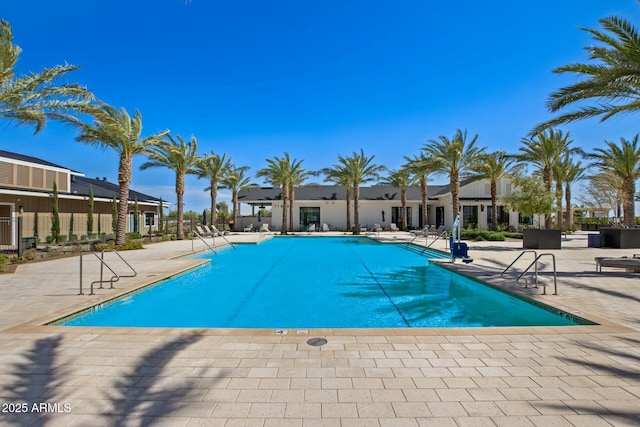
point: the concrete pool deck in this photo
(560, 376)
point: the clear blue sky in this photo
(257, 78)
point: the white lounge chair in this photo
(377, 228)
(264, 228)
(632, 264)
(325, 227)
(393, 227)
(312, 228)
(249, 228)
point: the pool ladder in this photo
(534, 264)
(427, 243)
(103, 264)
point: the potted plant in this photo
(531, 198)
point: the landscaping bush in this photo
(133, 236)
(479, 235)
(512, 235)
(3, 261)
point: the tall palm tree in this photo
(402, 179)
(493, 167)
(421, 166)
(454, 157)
(543, 151)
(611, 82)
(32, 98)
(115, 129)
(281, 171)
(236, 181)
(361, 170)
(179, 156)
(213, 167)
(573, 172)
(338, 174)
(623, 161)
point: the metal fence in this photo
(11, 239)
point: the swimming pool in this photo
(319, 282)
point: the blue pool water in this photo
(319, 282)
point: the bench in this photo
(632, 264)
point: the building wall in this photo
(25, 175)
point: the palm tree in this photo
(402, 179)
(179, 156)
(454, 157)
(214, 168)
(421, 166)
(493, 167)
(113, 128)
(543, 151)
(282, 172)
(573, 172)
(339, 175)
(622, 161)
(236, 181)
(612, 82)
(33, 98)
(360, 170)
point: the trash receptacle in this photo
(594, 241)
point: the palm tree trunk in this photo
(628, 204)
(454, 187)
(567, 202)
(234, 202)
(559, 202)
(124, 178)
(291, 199)
(494, 205)
(285, 192)
(547, 177)
(180, 197)
(214, 196)
(403, 201)
(348, 196)
(356, 215)
(423, 193)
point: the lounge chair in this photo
(264, 228)
(632, 264)
(325, 227)
(393, 227)
(203, 232)
(312, 228)
(249, 228)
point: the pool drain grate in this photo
(316, 342)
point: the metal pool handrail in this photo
(555, 276)
(103, 264)
(204, 241)
(535, 255)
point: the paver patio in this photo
(554, 376)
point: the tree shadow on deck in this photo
(141, 396)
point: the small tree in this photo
(114, 215)
(70, 227)
(90, 213)
(161, 217)
(530, 197)
(35, 225)
(55, 215)
(136, 219)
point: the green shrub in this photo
(495, 236)
(512, 235)
(3, 261)
(133, 236)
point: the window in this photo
(525, 220)
(308, 216)
(470, 216)
(396, 216)
(503, 215)
(149, 219)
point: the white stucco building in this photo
(325, 204)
